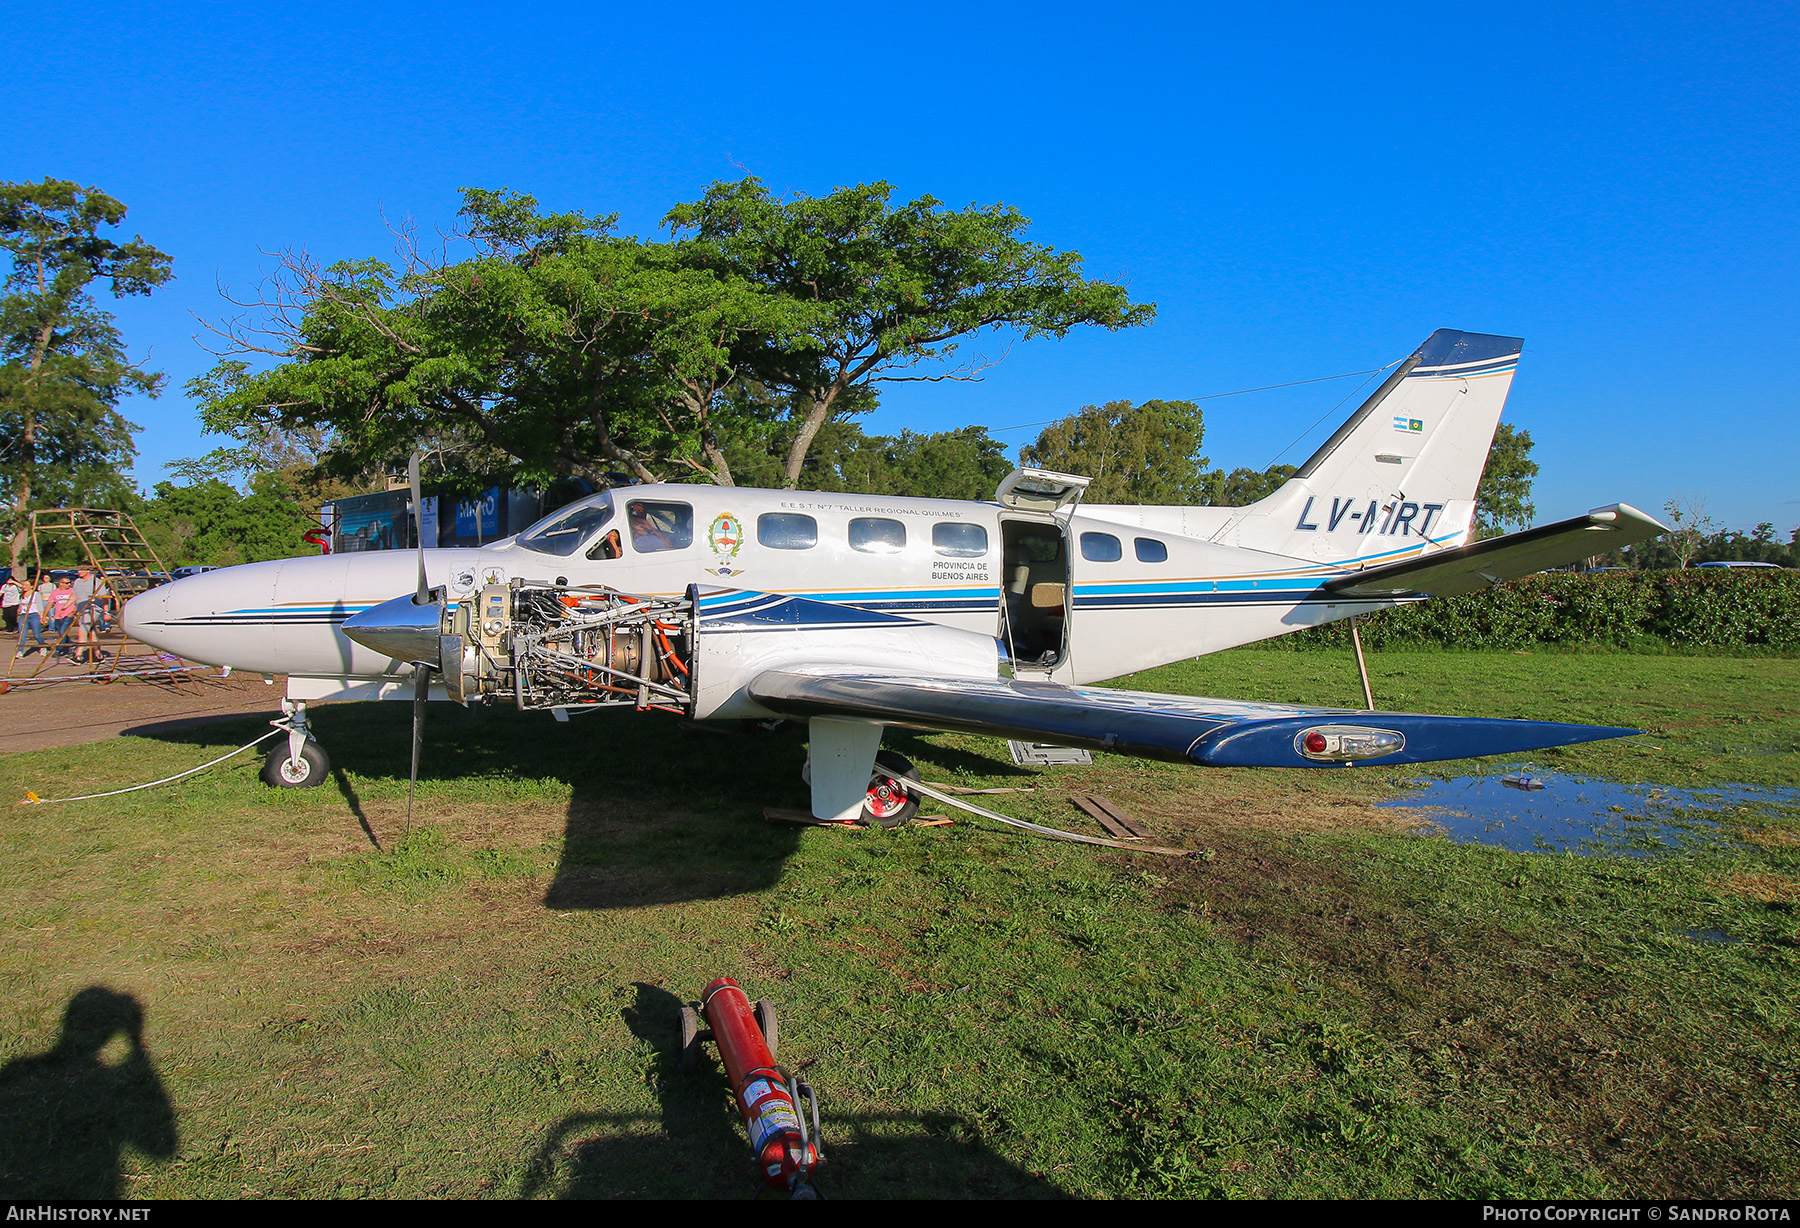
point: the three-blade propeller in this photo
(408, 628)
(421, 668)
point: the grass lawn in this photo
(1327, 1006)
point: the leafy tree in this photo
(560, 348)
(63, 367)
(1150, 453)
(959, 464)
(1146, 453)
(893, 288)
(1503, 496)
(1688, 514)
(557, 349)
(1734, 545)
(211, 524)
(1242, 487)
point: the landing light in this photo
(1347, 743)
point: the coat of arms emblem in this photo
(723, 537)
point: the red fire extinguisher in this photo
(785, 1150)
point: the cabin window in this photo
(874, 535)
(958, 540)
(659, 526)
(1149, 550)
(787, 531)
(1101, 548)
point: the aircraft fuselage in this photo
(1103, 592)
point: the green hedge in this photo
(1682, 609)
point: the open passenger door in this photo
(1035, 589)
(1040, 490)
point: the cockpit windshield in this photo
(563, 531)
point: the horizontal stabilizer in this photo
(1479, 565)
(1178, 728)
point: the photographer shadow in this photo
(67, 1115)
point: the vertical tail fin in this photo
(1400, 474)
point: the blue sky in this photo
(1302, 190)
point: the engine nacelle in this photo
(560, 646)
(743, 634)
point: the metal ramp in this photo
(124, 565)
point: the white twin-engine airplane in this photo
(854, 612)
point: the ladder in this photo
(124, 565)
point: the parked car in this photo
(1734, 563)
(182, 573)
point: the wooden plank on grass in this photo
(1115, 820)
(1090, 806)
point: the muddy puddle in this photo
(1527, 809)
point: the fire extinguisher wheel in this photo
(767, 1022)
(690, 1038)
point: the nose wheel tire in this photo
(889, 804)
(308, 773)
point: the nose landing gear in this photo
(302, 763)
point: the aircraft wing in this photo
(1178, 728)
(1478, 565)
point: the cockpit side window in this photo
(607, 547)
(659, 526)
(563, 531)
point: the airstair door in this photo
(1043, 491)
(1034, 593)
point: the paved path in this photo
(71, 713)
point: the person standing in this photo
(62, 613)
(87, 617)
(12, 593)
(33, 607)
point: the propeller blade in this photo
(421, 692)
(418, 511)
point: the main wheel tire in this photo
(309, 773)
(688, 1056)
(766, 1022)
(890, 803)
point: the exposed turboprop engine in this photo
(568, 647)
(558, 647)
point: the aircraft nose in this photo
(399, 628)
(145, 615)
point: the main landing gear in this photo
(302, 762)
(889, 803)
